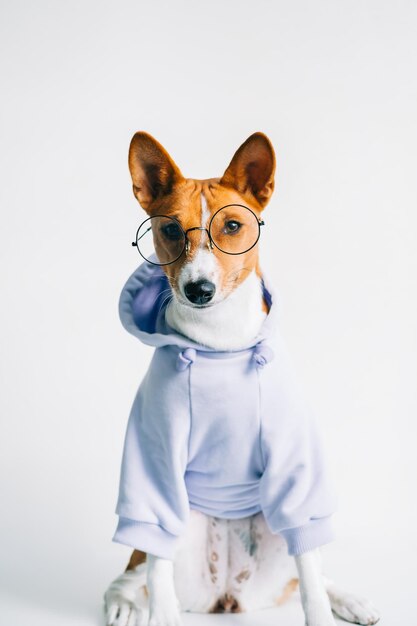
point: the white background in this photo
(333, 83)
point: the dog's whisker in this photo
(159, 295)
(166, 300)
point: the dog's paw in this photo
(354, 609)
(125, 601)
(121, 611)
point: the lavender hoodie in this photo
(227, 433)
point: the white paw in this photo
(355, 609)
(121, 611)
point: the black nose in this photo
(200, 292)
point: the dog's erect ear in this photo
(252, 168)
(153, 171)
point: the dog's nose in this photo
(200, 292)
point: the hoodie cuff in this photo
(147, 537)
(316, 533)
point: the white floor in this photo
(72, 596)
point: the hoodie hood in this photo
(143, 302)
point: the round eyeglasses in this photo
(233, 229)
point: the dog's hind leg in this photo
(125, 601)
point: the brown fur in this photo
(136, 559)
(226, 604)
(243, 575)
(289, 588)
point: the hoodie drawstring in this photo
(262, 355)
(185, 358)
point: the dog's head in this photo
(205, 231)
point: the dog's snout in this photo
(200, 292)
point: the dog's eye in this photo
(232, 226)
(172, 232)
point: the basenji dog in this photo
(216, 299)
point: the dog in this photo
(212, 545)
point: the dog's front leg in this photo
(164, 608)
(314, 598)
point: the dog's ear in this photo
(252, 168)
(153, 171)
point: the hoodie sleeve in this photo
(297, 496)
(153, 505)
